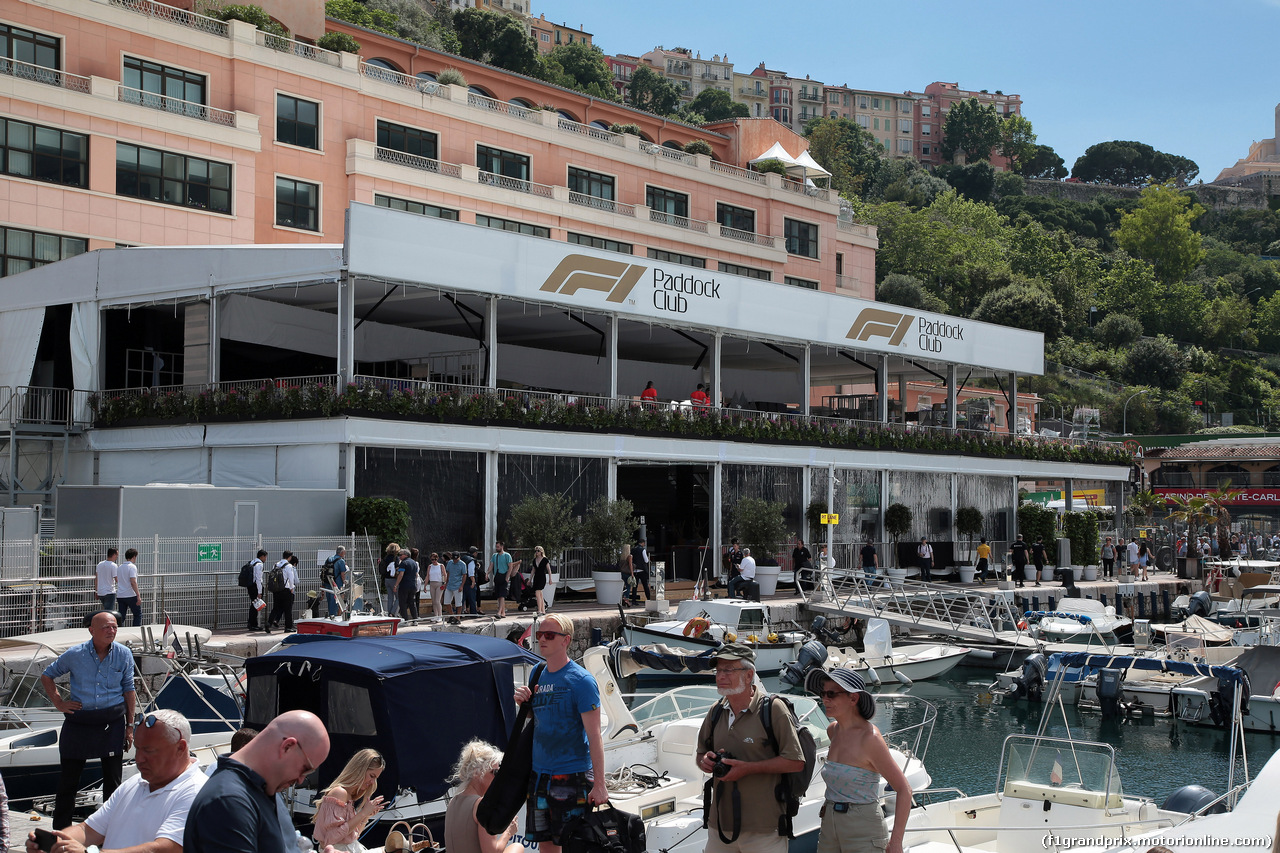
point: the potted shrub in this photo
(545, 520)
(607, 527)
(897, 523)
(760, 526)
(968, 525)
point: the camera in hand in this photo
(719, 768)
(44, 839)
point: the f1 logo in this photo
(878, 323)
(581, 272)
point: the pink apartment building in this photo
(932, 106)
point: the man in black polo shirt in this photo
(1018, 553)
(235, 812)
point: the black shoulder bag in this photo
(510, 787)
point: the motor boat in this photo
(880, 661)
(1078, 621)
(1207, 699)
(700, 626)
(1030, 682)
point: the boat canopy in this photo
(416, 698)
(1082, 618)
(628, 660)
(1223, 673)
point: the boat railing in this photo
(914, 737)
(925, 796)
(1125, 831)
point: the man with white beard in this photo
(745, 762)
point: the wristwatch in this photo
(92, 848)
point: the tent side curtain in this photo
(19, 339)
(86, 328)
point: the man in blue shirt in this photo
(501, 562)
(235, 812)
(99, 723)
(338, 568)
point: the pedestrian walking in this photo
(640, 562)
(1037, 557)
(455, 577)
(127, 597)
(471, 590)
(405, 585)
(1018, 557)
(925, 553)
(257, 591)
(106, 573)
(500, 562)
(541, 573)
(284, 581)
(387, 570)
(435, 579)
(984, 559)
(1108, 558)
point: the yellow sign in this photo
(829, 518)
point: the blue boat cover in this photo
(1225, 673)
(1082, 618)
(208, 709)
(630, 659)
(416, 698)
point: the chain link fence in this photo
(50, 584)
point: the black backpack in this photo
(245, 579)
(275, 579)
(605, 831)
(482, 576)
(326, 571)
(793, 785)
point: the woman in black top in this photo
(541, 569)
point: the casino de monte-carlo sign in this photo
(392, 245)
(1248, 497)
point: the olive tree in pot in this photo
(897, 523)
(968, 525)
(761, 527)
(607, 527)
(545, 520)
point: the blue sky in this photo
(1191, 78)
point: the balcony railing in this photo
(405, 81)
(598, 203)
(496, 106)
(177, 106)
(181, 17)
(413, 161)
(752, 93)
(737, 172)
(799, 188)
(493, 179)
(747, 237)
(40, 74)
(591, 131)
(32, 406)
(806, 96)
(298, 48)
(678, 221)
(367, 396)
(667, 153)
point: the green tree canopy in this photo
(579, 66)
(1118, 330)
(1128, 163)
(717, 104)
(357, 13)
(1155, 361)
(651, 91)
(1159, 231)
(1023, 305)
(1017, 141)
(1043, 162)
(974, 181)
(909, 292)
(496, 39)
(846, 150)
(415, 23)
(972, 129)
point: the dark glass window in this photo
(26, 46)
(157, 79)
(591, 183)
(801, 237)
(667, 201)
(417, 207)
(737, 218)
(172, 178)
(297, 122)
(511, 225)
(502, 162)
(21, 249)
(677, 258)
(749, 272)
(410, 140)
(800, 282)
(44, 153)
(297, 204)
(601, 243)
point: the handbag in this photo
(604, 830)
(510, 786)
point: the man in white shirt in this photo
(282, 599)
(1132, 552)
(107, 571)
(148, 811)
(128, 598)
(256, 590)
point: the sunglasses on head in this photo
(147, 720)
(549, 635)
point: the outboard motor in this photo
(1200, 605)
(1109, 691)
(1030, 684)
(1190, 799)
(1222, 703)
(812, 654)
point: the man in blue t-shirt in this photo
(568, 750)
(501, 563)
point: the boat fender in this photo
(1192, 798)
(872, 675)
(902, 678)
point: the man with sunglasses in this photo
(744, 813)
(149, 811)
(568, 750)
(235, 812)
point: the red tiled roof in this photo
(1215, 451)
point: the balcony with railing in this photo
(181, 17)
(679, 221)
(177, 106)
(284, 44)
(29, 407)
(811, 96)
(20, 70)
(606, 204)
(495, 106)
(667, 153)
(752, 93)
(424, 401)
(747, 237)
(414, 161)
(590, 131)
(801, 188)
(421, 85)
(492, 179)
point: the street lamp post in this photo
(1125, 424)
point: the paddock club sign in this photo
(391, 245)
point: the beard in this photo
(731, 691)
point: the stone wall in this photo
(1211, 196)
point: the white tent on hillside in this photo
(776, 152)
(806, 168)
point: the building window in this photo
(510, 225)
(926, 130)
(145, 368)
(410, 140)
(905, 106)
(297, 122)
(168, 178)
(839, 263)
(800, 282)
(864, 102)
(667, 201)
(677, 258)
(801, 237)
(924, 150)
(26, 46)
(737, 218)
(926, 110)
(875, 103)
(862, 120)
(156, 79)
(877, 123)
(749, 272)
(44, 153)
(590, 183)
(904, 146)
(601, 243)
(545, 37)
(501, 162)
(297, 204)
(415, 207)
(904, 125)
(23, 250)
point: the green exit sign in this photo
(209, 552)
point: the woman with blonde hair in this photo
(474, 774)
(346, 807)
(541, 571)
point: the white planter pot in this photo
(767, 577)
(1091, 573)
(1029, 573)
(1047, 573)
(549, 592)
(608, 587)
(966, 573)
(896, 576)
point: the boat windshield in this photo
(24, 692)
(751, 620)
(685, 703)
(1058, 763)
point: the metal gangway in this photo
(931, 608)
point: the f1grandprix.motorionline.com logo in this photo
(581, 272)
(878, 323)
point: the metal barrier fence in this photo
(46, 585)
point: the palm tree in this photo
(1218, 500)
(1192, 511)
(1146, 503)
